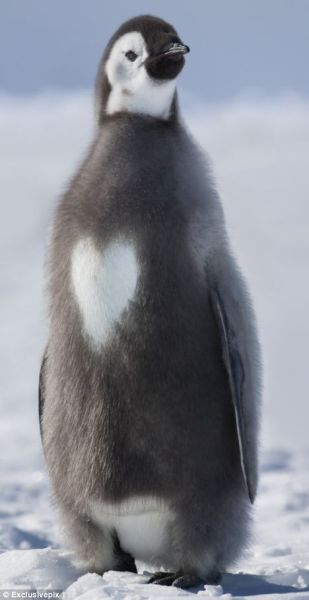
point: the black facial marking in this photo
(165, 67)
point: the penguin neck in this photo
(125, 115)
(157, 101)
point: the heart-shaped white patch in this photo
(103, 284)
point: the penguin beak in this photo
(175, 49)
(168, 61)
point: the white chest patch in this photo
(142, 526)
(103, 284)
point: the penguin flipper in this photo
(236, 376)
(42, 391)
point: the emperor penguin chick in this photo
(149, 386)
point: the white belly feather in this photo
(142, 526)
(103, 284)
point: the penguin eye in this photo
(131, 55)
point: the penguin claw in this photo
(158, 576)
(186, 581)
(166, 580)
(179, 580)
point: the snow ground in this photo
(260, 151)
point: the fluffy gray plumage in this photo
(167, 407)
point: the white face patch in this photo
(132, 89)
(103, 284)
(142, 526)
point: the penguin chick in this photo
(149, 387)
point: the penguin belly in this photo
(141, 524)
(145, 421)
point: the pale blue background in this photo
(238, 46)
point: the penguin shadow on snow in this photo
(247, 584)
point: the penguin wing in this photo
(236, 376)
(42, 391)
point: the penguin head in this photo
(139, 68)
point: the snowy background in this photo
(259, 147)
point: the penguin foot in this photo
(186, 581)
(180, 580)
(159, 576)
(168, 580)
